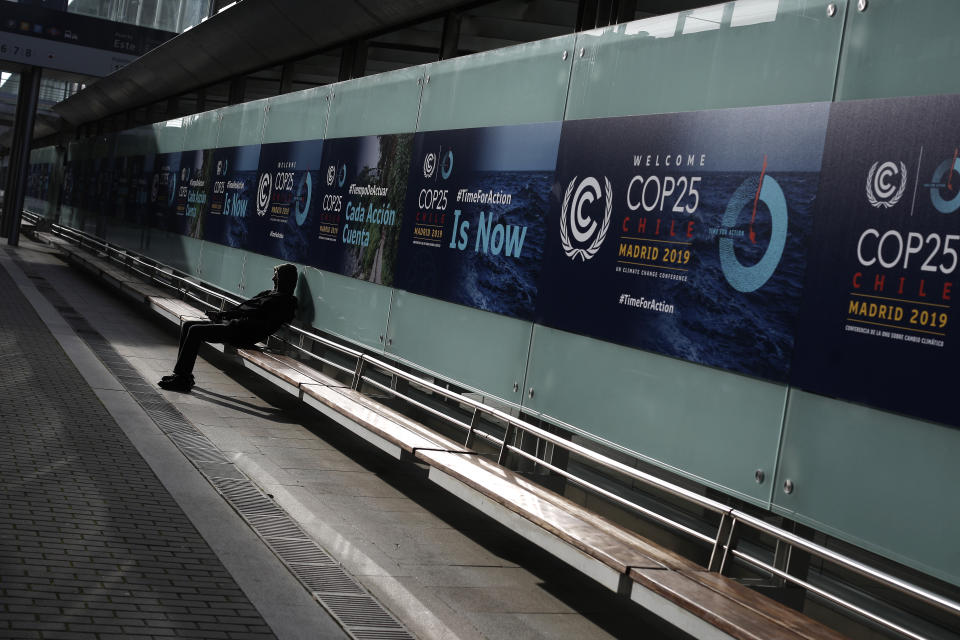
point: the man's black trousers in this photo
(192, 334)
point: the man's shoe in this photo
(177, 383)
(176, 375)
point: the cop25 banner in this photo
(477, 203)
(361, 206)
(190, 197)
(686, 234)
(232, 195)
(876, 324)
(280, 221)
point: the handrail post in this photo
(723, 531)
(358, 373)
(727, 547)
(502, 458)
(474, 419)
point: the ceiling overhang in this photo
(248, 36)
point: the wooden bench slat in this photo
(326, 399)
(141, 290)
(176, 308)
(798, 623)
(281, 367)
(100, 266)
(440, 442)
(610, 544)
(113, 272)
(318, 376)
(724, 606)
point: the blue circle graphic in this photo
(172, 195)
(945, 206)
(343, 176)
(301, 213)
(747, 279)
(446, 168)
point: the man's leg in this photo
(185, 328)
(195, 335)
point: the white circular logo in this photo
(883, 189)
(429, 165)
(583, 228)
(331, 175)
(263, 194)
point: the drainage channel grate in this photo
(361, 616)
(326, 579)
(356, 610)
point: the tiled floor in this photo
(91, 543)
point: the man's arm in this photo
(241, 310)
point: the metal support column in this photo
(238, 89)
(286, 77)
(586, 14)
(450, 38)
(27, 97)
(601, 13)
(353, 60)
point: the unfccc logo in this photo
(882, 188)
(263, 194)
(583, 228)
(429, 165)
(331, 175)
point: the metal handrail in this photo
(592, 456)
(848, 563)
(730, 517)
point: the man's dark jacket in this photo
(253, 320)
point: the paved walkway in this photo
(441, 568)
(91, 544)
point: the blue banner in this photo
(191, 194)
(362, 203)
(283, 218)
(232, 195)
(477, 203)
(686, 234)
(876, 322)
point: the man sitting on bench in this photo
(243, 325)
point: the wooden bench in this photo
(704, 604)
(130, 284)
(388, 430)
(708, 605)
